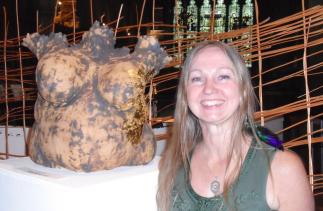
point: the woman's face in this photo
(212, 90)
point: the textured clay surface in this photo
(91, 109)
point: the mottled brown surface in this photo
(91, 111)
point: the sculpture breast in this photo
(91, 111)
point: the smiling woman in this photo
(212, 90)
(216, 159)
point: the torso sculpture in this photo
(91, 110)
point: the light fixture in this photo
(128, 32)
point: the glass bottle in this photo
(205, 16)
(220, 17)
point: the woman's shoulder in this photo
(287, 162)
(291, 186)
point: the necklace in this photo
(215, 186)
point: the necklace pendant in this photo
(215, 186)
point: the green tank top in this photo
(247, 193)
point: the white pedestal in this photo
(26, 186)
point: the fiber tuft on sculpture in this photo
(91, 111)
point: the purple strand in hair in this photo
(269, 138)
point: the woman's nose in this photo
(209, 86)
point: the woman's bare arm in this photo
(290, 190)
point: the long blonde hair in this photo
(187, 132)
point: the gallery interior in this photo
(280, 41)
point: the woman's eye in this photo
(224, 77)
(196, 79)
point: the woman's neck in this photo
(216, 139)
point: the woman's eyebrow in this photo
(194, 70)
